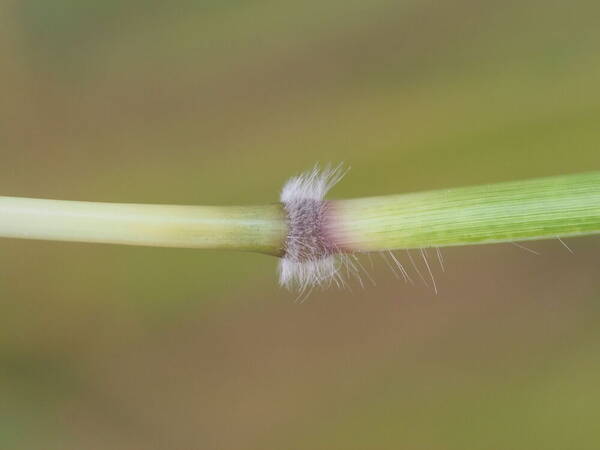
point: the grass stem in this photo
(253, 228)
(506, 212)
(542, 208)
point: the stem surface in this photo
(524, 210)
(534, 209)
(253, 228)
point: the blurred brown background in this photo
(218, 102)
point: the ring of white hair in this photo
(310, 255)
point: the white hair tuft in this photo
(311, 257)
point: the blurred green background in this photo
(218, 102)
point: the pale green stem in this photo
(254, 228)
(535, 209)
